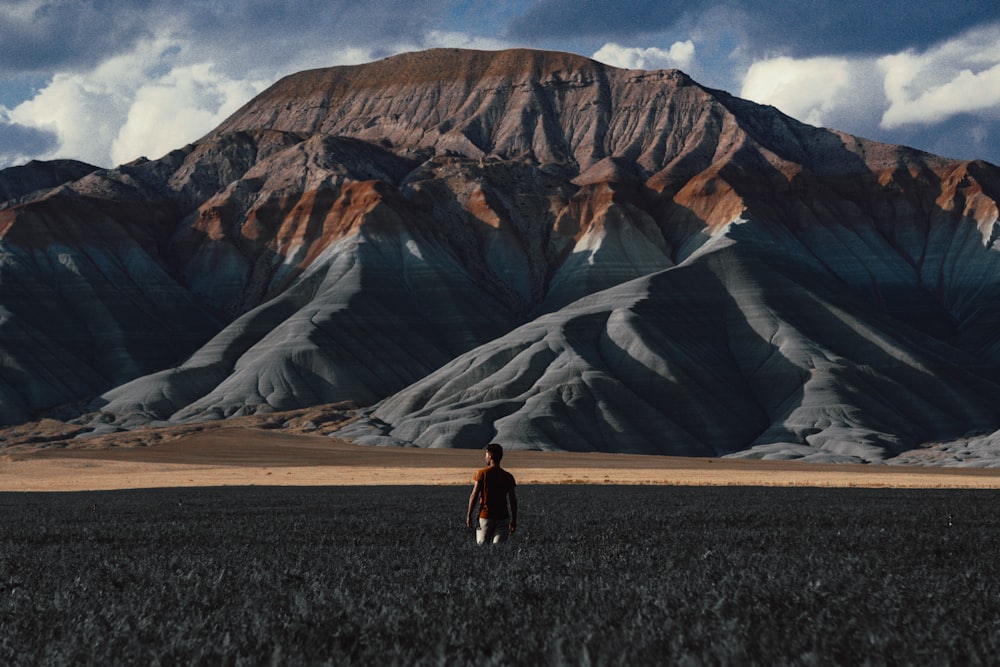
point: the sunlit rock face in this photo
(524, 246)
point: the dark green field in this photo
(606, 575)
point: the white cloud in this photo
(457, 40)
(679, 56)
(177, 108)
(86, 110)
(809, 90)
(841, 93)
(83, 115)
(145, 102)
(961, 75)
(20, 11)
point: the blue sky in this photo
(107, 81)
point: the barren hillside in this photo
(518, 245)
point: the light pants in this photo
(492, 530)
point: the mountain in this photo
(36, 177)
(524, 246)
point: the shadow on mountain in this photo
(810, 333)
(526, 246)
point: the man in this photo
(493, 486)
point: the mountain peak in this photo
(470, 64)
(436, 66)
(544, 106)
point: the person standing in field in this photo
(493, 487)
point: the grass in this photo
(596, 574)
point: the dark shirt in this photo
(497, 483)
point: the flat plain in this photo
(239, 456)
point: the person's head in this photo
(495, 452)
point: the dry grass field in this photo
(284, 549)
(636, 575)
(252, 453)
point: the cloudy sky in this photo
(106, 81)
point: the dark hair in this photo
(495, 450)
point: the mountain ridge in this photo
(360, 233)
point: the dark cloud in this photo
(273, 33)
(301, 23)
(17, 142)
(77, 35)
(798, 27)
(69, 35)
(594, 18)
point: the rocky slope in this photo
(36, 177)
(524, 246)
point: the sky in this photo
(108, 81)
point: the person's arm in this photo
(513, 510)
(472, 503)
